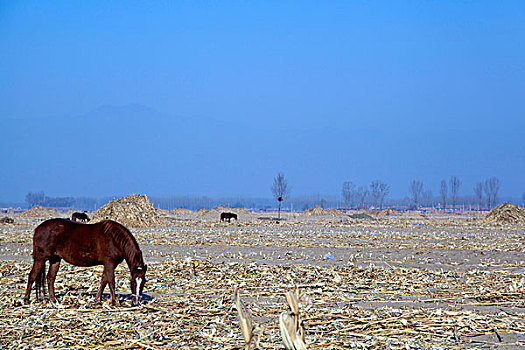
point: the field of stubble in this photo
(407, 282)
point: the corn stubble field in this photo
(406, 281)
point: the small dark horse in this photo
(228, 216)
(105, 243)
(80, 217)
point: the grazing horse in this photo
(105, 243)
(80, 217)
(228, 216)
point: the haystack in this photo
(39, 211)
(387, 212)
(318, 211)
(201, 211)
(130, 211)
(507, 213)
(333, 212)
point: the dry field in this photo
(396, 282)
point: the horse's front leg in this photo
(54, 265)
(38, 265)
(108, 277)
(103, 283)
(111, 282)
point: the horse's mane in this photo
(123, 238)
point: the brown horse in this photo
(105, 243)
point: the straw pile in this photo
(39, 211)
(318, 211)
(130, 211)
(387, 212)
(507, 213)
(364, 211)
(201, 211)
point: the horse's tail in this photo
(40, 282)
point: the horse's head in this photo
(138, 279)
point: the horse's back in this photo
(78, 244)
(51, 228)
(47, 235)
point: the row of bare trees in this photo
(485, 192)
(39, 198)
(448, 191)
(353, 196)
(376, 192)
(491, 188)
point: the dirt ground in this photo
(406, 281)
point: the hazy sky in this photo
(214, 98)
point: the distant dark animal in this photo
(105, 243)
(81, 217)
(228, 216)
(7, 220)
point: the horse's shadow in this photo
(119, 296)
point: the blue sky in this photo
(324, 91)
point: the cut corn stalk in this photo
(292, 339)
(245, 319)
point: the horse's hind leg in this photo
(54, 265)
(38, 265)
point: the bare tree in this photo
(491, 190)
(280, 189)
(35, 198)
(428, 198)
(454, 184)
(494, 183)
(416, 190)
(348, 193)
(384, 190)
(443, 191)
(478, 191)
(379, 191)
(374, 192)
(362, 193)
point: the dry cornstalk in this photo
(292, 329)
(292, 338)
(245, 319)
